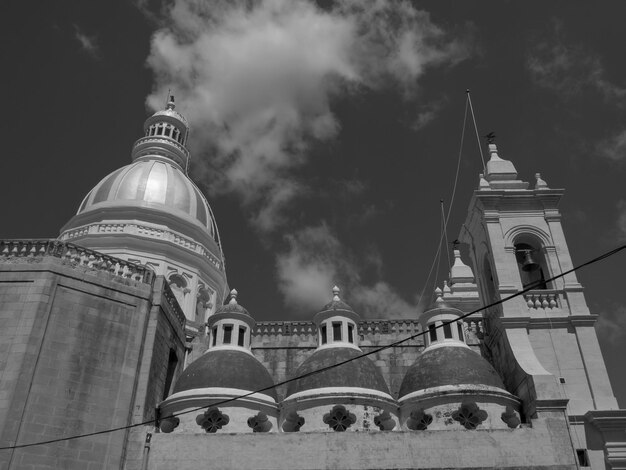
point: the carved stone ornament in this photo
(419, 420)
(510, 418)
(260, 423)
(469, 415)
(339, 419)
(168, 424)
(384, 421)
(293, 422)
(212, 420)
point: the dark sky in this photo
(359, 200)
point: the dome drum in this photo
(238, 415)
(492, 408)
(153, 147)
(329, 412)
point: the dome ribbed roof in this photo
(226, 369)
(449, 366)
(360, 372)
(151, 183)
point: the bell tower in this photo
(543, 343)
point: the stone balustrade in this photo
(545, 299)
(407, 327)
(75, 255)
(173, 303)
(160, 139)
(145, 231)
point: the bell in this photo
(529, 263)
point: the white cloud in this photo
(614, 148)
(611, 326)
(570, 69)
(427, 114)
(257, 80)
(89, 44)
(316, 260)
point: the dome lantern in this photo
(231, 326)
(166, 133)
(337, 324)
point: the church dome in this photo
(451, 365)
(151, 184)
(222, 368)
(359, 373)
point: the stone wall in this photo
(72, 360)
(544, 446)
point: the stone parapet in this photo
(12, 251)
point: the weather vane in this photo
(491, 137)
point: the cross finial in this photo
(491, 137)
(170, 103)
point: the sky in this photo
(325, 135)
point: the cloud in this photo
(611, 326)
(570, 69)
(316, 260)
(427, 114)
(89, 44)
(614, 148)
(257, 80)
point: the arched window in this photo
(531, 264)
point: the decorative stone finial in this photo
(483, 183)
(540, 183)
(446, 287)
(336, 291)
(438, 293)
(493, 152)
(233, 297)
(460, 272)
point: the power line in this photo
(332, 366)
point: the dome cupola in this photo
(220, 378)
(150, 212)
(231, 326)
(337, 398)
(337, 324)
(450, 379)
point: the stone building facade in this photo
(125, 324)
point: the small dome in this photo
(451, 365)
(232, 306)
(360, 372)
(152, 184)
(171, 113)
(336, 307)
(226, 369)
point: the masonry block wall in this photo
(71, 357)
(283, 346)
(545, 446)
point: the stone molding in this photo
(144, 231)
